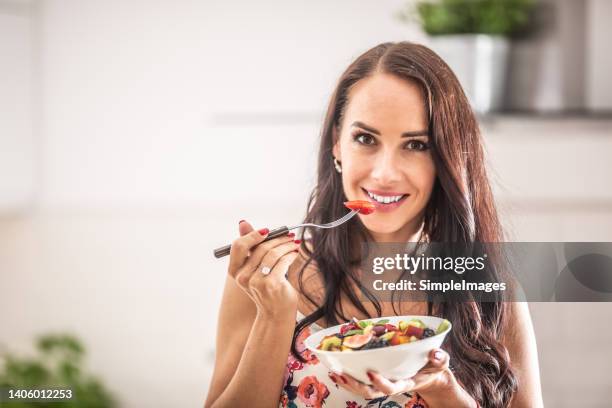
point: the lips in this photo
(383, 193)
(396, 199)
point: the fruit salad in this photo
(367, 334)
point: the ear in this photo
(336, 147)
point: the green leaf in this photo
(63, 343)
(24, 372)
(381, 322)
(58, 364)
(495, 17)
(364, 323)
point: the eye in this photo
(416, 145)
(365, 139)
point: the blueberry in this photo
(428, 333)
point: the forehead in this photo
(388, 103)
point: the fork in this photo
(225, 250)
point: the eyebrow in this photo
(377, 132)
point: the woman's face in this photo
(384, 151)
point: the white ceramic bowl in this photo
(393, 362)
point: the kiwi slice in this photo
(444, 324)
(331, 342)
(418, 323)
(364, 323)
(381, 322)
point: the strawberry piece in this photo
(346, 328)
(364, 207)
(391, 327)
(414, 331)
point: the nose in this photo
(386, 169)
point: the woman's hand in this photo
(260, 270)
(435, 381)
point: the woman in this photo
(398, 132)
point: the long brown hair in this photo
(461, 209)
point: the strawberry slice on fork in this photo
(364, 207)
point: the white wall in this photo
(18, 154)
(600, 58)
(150, 112)
(141, 104)
(551, 177)
(137, 95)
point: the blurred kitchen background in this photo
(134, 134)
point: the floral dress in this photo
(308, 384)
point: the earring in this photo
(337, 166)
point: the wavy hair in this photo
(461, 209)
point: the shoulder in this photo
(518, 331)
(519, 339)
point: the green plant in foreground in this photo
(57, 365)
(494, 17)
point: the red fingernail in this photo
(291, 235)
(333, 378)
(240, 222)
(370, 376)
(344, 380)
(264, 231)
(438, 355)
(297, 241)
(296, 250)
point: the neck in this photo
(411, 232)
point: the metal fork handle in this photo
(225, 250)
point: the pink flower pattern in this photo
(312, 392)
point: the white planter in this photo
(480, 62)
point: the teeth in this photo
(385, 199)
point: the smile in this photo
(385, 199)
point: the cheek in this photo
(424, 177)
(352, 179)
(355, 168)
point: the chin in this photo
(381, 227)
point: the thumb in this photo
(244, 227)
(438, 359)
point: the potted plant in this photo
(472, 36)
(58, 365)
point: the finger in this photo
(342, 381)
(282, 266)
(387, 386)
(423, 380)
(254, 265)
(438, 361)
(244, 227)
(338, 381)
(277, 273)
(360, 388)
(275, 254)
(241, 247)
(257, 255)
